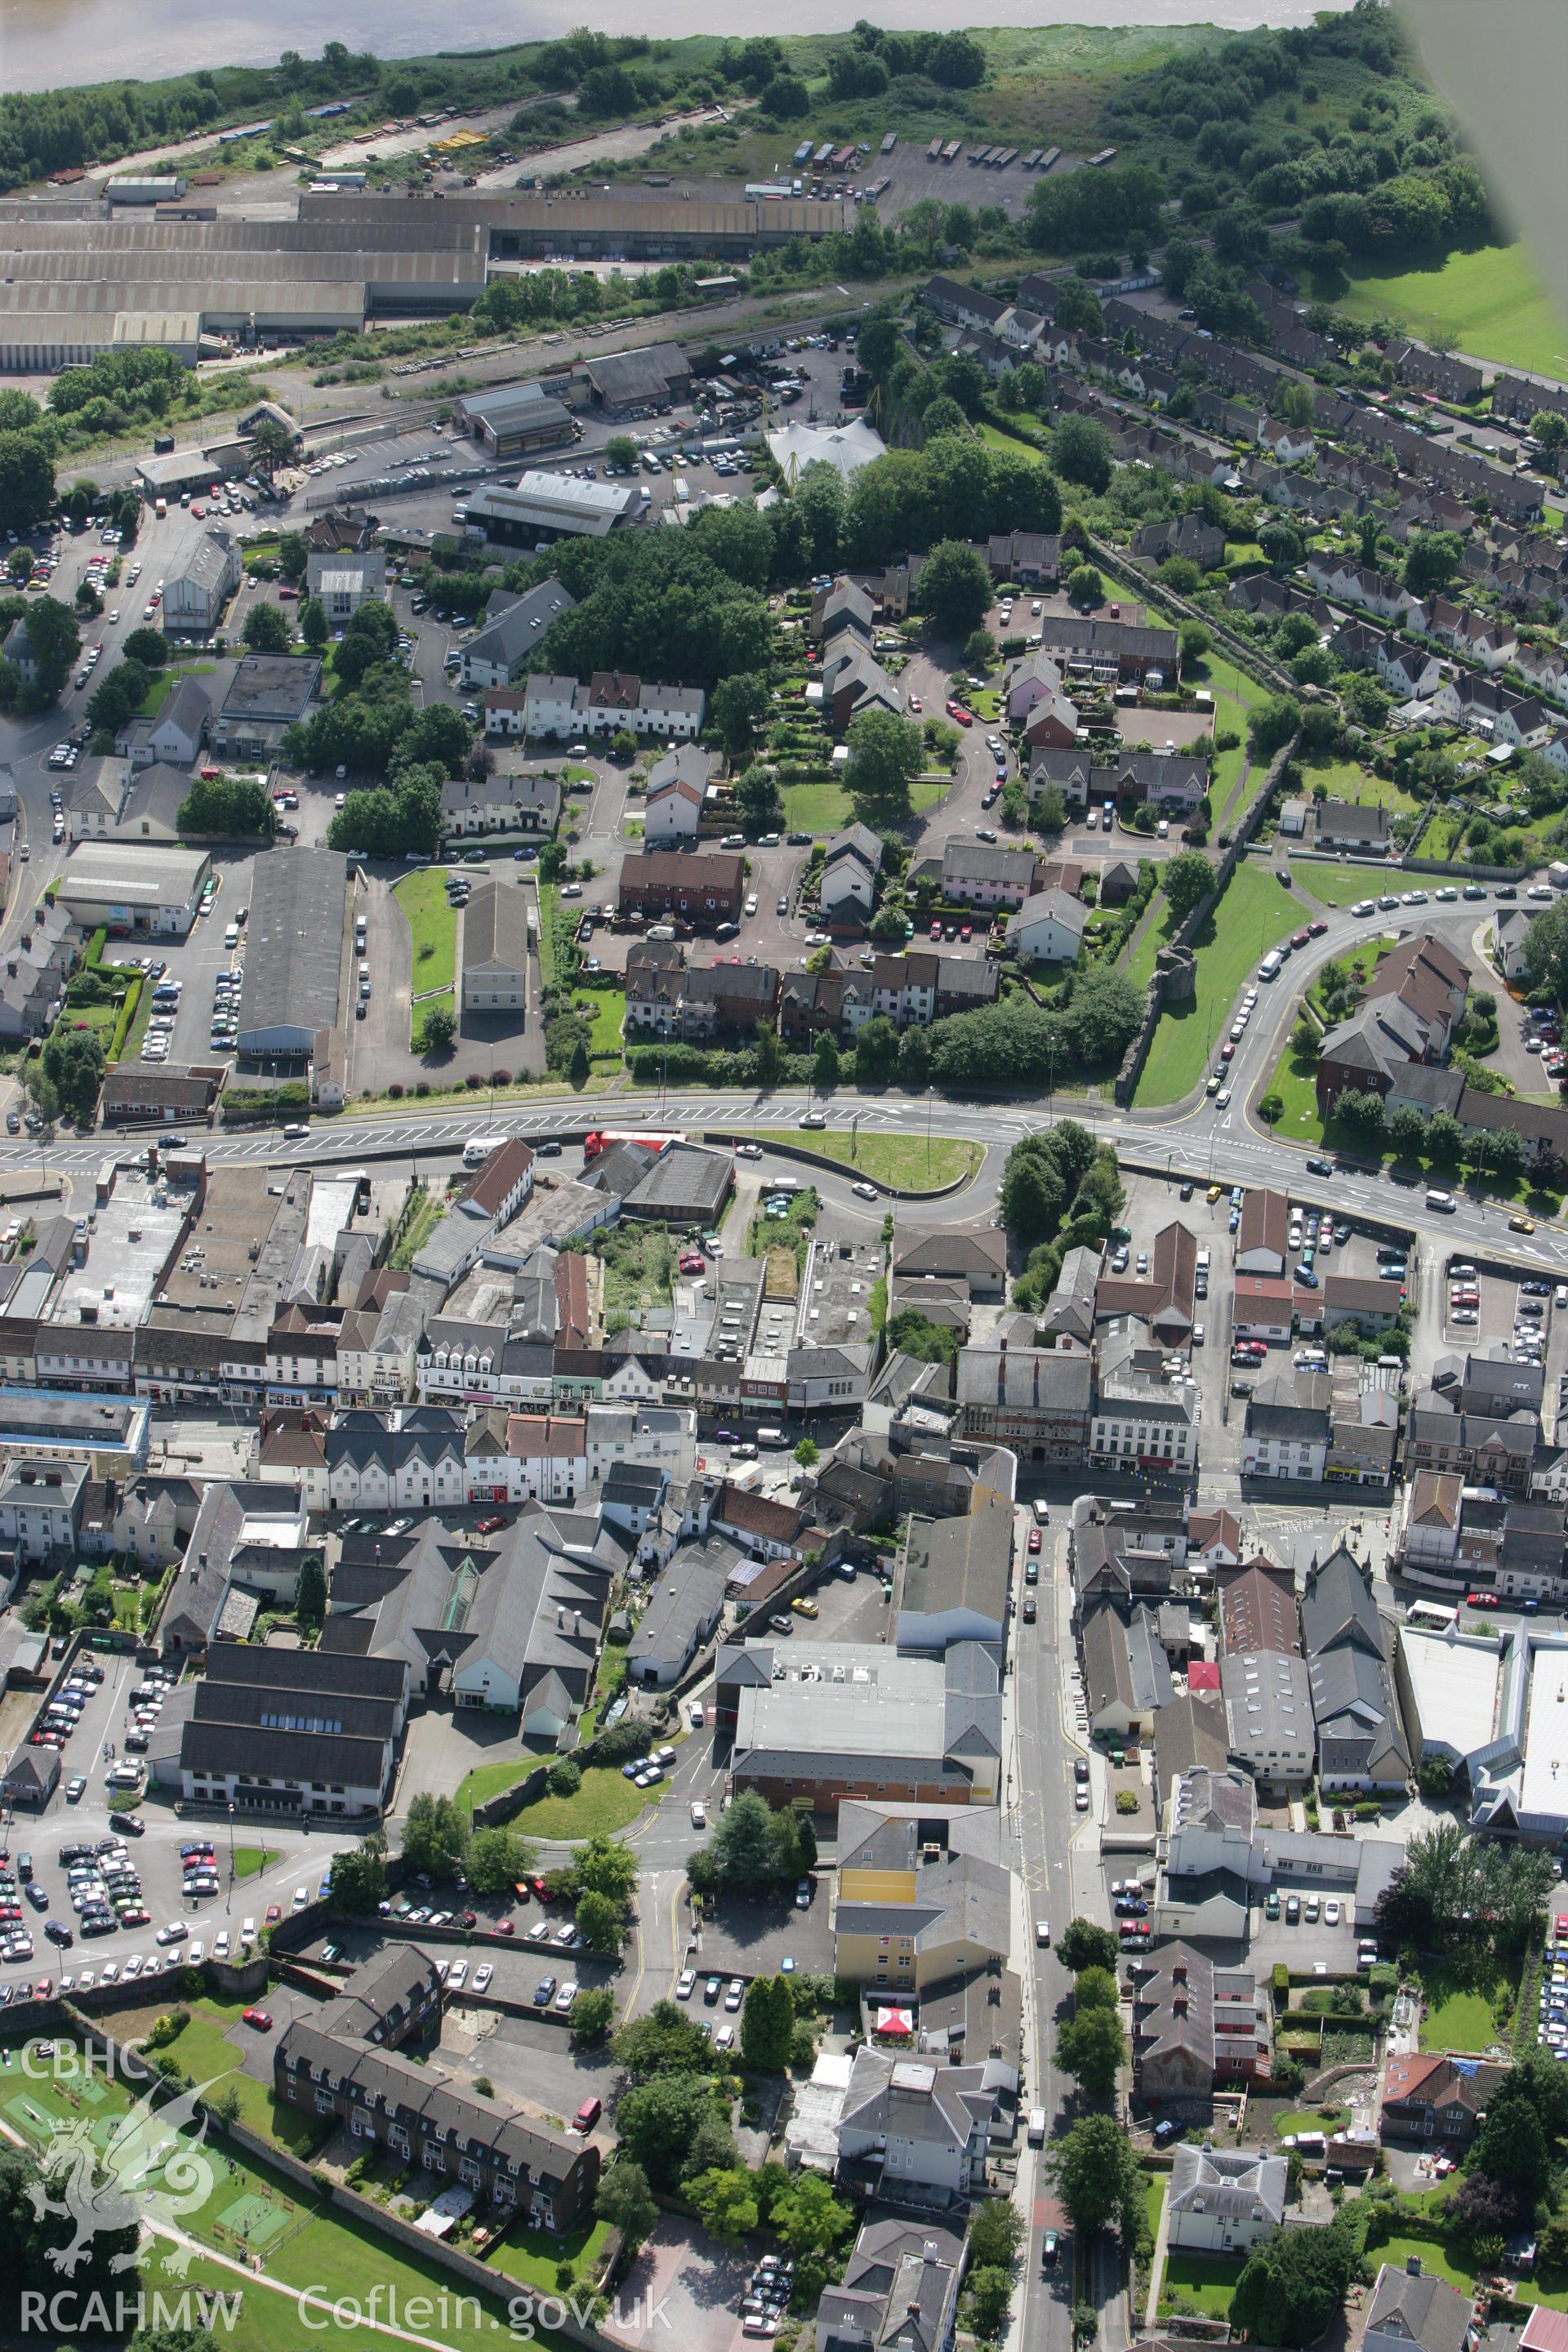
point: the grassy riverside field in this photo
(1489, 302)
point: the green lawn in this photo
(1234, 697)
(1206, 2282)
(163, 684)
(1154, 2202)
(603, 1804)
(1347, 780)
(1294, 1082)
(828, 808)
(1490, 301)
(1434, 2260)
(487, 1780)
(907, 1160)
(1156, 933)
(249, 1859)
(1339, 885)
(1254, 913)
(422, 896)
(531, 2256)
(1460, 2018)
(608, 1009)
(205, 2050)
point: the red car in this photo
(956, 711)
(542, 1888)
(1227, 1050)
(1301, 939)
(505, 1928)
(692, 1262)
(490, 1522)
(471, 1919)
(198, 512)
(274, 1911)
(936, 930)
(1034, 1539)
(587, 2115)
(915, 703)
(1318, 928)
(261, 2019)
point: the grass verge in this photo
(433, 923)
(906, 1161)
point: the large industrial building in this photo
(293, 956)
(73, 284)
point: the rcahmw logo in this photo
(146, 2174)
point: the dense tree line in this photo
(238, 806)
(953, 489)
(1231, 124)
(683, 606)
(48, 131)
(369, 728)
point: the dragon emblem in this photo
(149, 2171)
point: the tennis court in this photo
(254, 2218)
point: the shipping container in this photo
(1106, 155)
(890, 142)
(951, 152)
(1052, 155)
(933, 152)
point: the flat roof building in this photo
(294, 954)
(829, 1720)
(1451, 1686)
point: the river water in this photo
(46, 43)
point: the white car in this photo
(1331, 1915)
(865, 1191)
(456, 1975)
(482, 1977)
(134, 1965)
(175, 1932)
(220, 1949)
(198, 1950)
(699, 1815)
(302, 1896)
(685, 1984)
